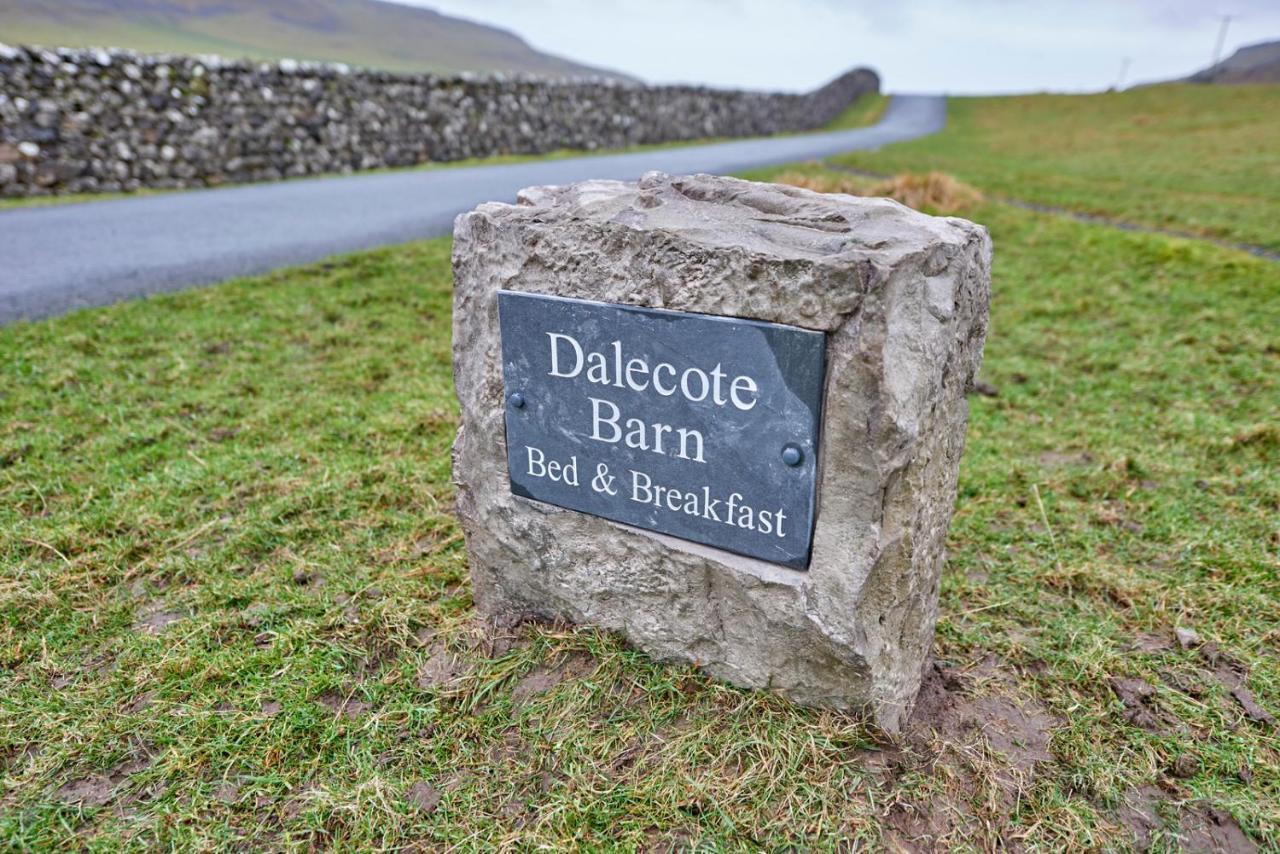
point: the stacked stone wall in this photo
(83, 121)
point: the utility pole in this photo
(1124, 71)
(1222, 38)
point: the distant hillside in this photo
(367, 33)
(1257, 63)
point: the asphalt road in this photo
(58, 258)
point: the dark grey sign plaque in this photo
(693, 425)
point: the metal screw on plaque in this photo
(792, 455)
(516, 400)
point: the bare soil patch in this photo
(494, 638)
(1154, 642)
(16, 756)
(424, 797)
(343, 705)
(1017, 726)
(545, 677)
(1139, 814)
(153, 619)
(1207, 828)
(1232, 675)
(949, 736)
(99, 789)
(442, 669)
(1200, 828)
(1141, 707)
(92, 791)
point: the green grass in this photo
(234, 601)
(71, 198)
(863, 112)
(1194, 158)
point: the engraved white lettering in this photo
(556, 337)
(613, 368)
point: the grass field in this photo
(1195, 158)
(234, 606)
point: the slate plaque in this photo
(693, 425)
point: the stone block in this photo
(902, 300)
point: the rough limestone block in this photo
(903, 298)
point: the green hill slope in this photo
(359, 32)
(1255, 63)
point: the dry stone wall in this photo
(76, 121)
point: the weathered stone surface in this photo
(903, 298)
(95, 120)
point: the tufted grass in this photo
(234, 607)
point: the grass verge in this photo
(863, 112)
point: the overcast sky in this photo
(960, 46)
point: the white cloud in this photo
(960, 46)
